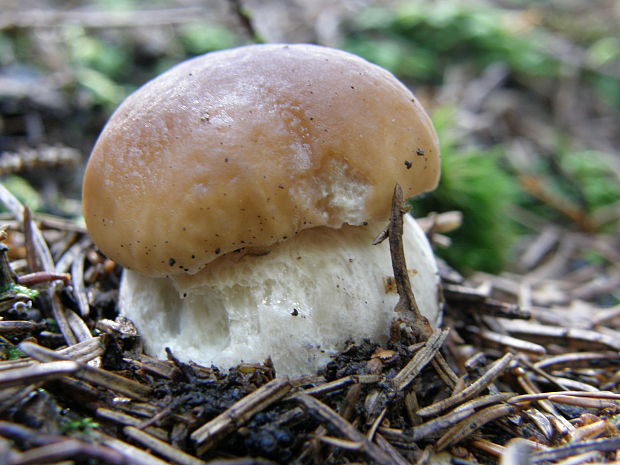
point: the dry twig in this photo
(336, 422)
(208, 434)
(495, 370)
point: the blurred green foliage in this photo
(100, 66)
(10, 352)
(590, 170)
(107, 68)
(419, 41)
(107, 65)
(17, 290)
(198, 39)
(474, 183)
(585, 179)
(24, 192)
(77, 424)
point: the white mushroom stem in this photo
(298, 304)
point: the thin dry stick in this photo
(466, 427)
(444, 370)
(584, 402)
(11, 203)
(600, 445)
(73, 259)
(546, 395)
(77, 278)
(22, 433)
(158, 417)
(37, 247)
(326, 414)
(144, 362)
(350, 402)
(606, 315)
(591, 431)
(19, 327)
(81, 352)
(325, 388)
(58, 312)
(132, 455)
(12, 396)
(41, 157)
(210, 433)
(529, 386)
(68, 449)
(50, 221)
(341, 443)
(434, 426)
(93, 375)
(78, 326)
(162, 448)
(40, 258)
(84, 351)
(419, 360)
(485, 400)
(39, 277)
(12, 364)
(32, 258)
(45, 18)
(129, 420)
(496, 369)
(242, 461)
(63, 264)
(508, 341)
(489, 447)
(580, 359)
(375, 424)
(37, 373)
(527, 328)
(552, 379)
(482, 303)
(542, 422)
(407, 307)
(389, 449)
(346, 411)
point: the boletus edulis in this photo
(242, 190)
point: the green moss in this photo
(24, 192)
(83, 425)
(474, 183)
(200, 38)
(419, 40)
(591, 170)
(13, 352)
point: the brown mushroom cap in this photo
(247, 147)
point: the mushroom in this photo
(242, 190)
